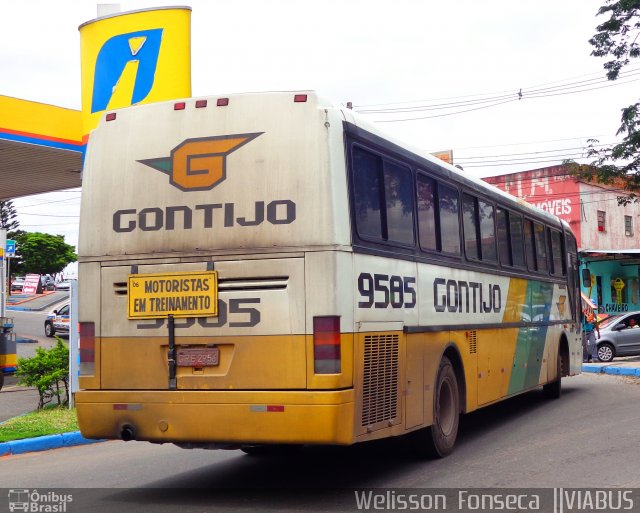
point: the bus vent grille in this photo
(380, 380)
(472, 336)
(230, 284)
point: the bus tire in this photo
(443, 432)
(553, 390)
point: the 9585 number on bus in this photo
(383, 290)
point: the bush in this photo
(48, 372)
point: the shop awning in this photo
(610, 254)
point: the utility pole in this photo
(3, 274)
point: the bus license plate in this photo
(198, 357)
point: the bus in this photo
(260, 270)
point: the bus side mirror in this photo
(586, 278)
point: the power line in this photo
(45, 215)
(494, 93)
(482, 98)
(50, 202)
(495, 104)
(498, 99)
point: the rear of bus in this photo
(247, 195)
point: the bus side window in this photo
(427, 213)
(487, 232)
(559, 268)
(504, 246)
(517, 236)
(367, 194)
(470, 225)
(449, 220)
(529, 245)
(398, 192)
(541, 247)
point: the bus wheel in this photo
(446, 411)
(553, 390)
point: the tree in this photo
(48, 371)
(617, 38)
(8, 216)
(42, 253)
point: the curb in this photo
(21, 340)
(617, 371)
(44, 443)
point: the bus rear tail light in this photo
(222, 102)
(326, 345)
(111, 116)
(87, 348)
(201, 103)
(300, 98)
(179, 106)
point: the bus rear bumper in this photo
(225, 417)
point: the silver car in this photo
(619, 336)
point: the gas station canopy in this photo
(40, 148)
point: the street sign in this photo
(10, 248)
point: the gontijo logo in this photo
(199, 164)
(126, 61)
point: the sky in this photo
(507, 86)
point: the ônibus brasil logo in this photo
(199, 164)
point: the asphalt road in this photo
(588, 438)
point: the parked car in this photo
(619, 336)
(57, 321)
(17, 284)
(63, 285)
(48, 283)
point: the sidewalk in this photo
(625, 366)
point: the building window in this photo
(601, 220)
(628, 226)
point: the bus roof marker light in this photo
(222, 102)
(201, 103)
(179, 106)
(300, 98)
(110, 117)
